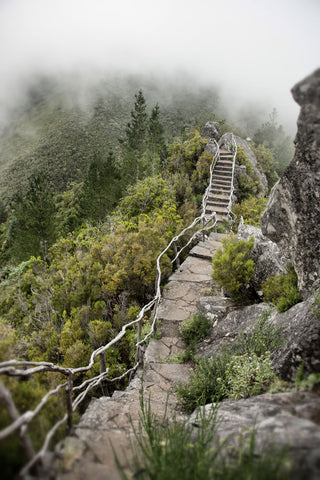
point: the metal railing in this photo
(75, 394)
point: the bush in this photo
(192, 451)
(207, 383)
(233, 269)
(195, 329)
(251, 210)
(242, 370)
(262, 337)
(282, 290)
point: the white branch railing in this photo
(231, 215)
(76, 394)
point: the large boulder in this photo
(300, 331)
(212, 132)
(287, 422)
(292, 215)
(265, 253)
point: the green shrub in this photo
(249, 183)
(207, 383)
(282, 290)
(261, 338)
(226, 376)
(248, 375)
(195, 329)
(250, 210)
(232, 267)
(242, 370)
(188, 451)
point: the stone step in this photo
(219, 199)
(220, 167)
(217, 205)
(223, 171)
(219, 187)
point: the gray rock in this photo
(281, 420)
(227, 327)
(211, 130)
(265, 253)
(300, 334)
(292, 215)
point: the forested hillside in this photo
(91, 194)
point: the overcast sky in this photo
(255, 49)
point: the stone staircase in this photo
(108, 422)
(219, 195)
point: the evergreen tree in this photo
(136, 130)
(135, 140)
(101, 187)
(33, 229)
(156, 140)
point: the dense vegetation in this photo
(91, 198)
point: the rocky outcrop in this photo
(292, 215)
(300, 331)
(265, 253)
(212, 132)
(226, 142)
(289, 419)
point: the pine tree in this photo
(33, 230)
(136, 130)
(101, 187)
(156, 140)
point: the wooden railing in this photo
(75, 394)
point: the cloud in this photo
(255, 50)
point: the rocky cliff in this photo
(292, 216)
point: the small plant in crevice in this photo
(195, 329)
(263, 336)
(306, 382)
(163, 450)
(282, 290)
(240, 370)
(316, 305)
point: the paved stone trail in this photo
(88, 454)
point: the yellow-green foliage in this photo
(232, 267)
(183, 156)
(249, 183)
(282, 290)
(250, 209)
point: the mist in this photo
(254, 51)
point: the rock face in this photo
(300, 331)
(292, 215)
(283, 419)
(265, 254)
(212, 131)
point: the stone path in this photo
(107, 423)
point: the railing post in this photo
(175, 254)
(69, 390)
(103, 363)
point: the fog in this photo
(254, 50)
